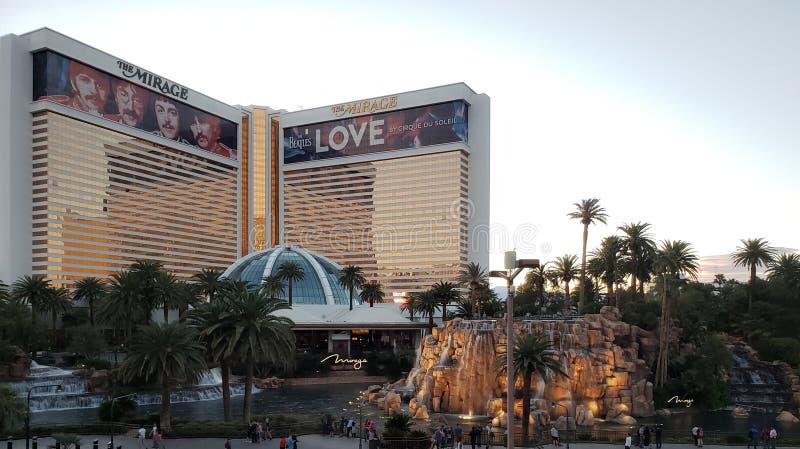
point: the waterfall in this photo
(446, 351)
(75, 393)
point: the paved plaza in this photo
(306, 442)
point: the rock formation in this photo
(607, 361)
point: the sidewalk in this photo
(306, 442)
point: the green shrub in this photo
(123, 408)
(785, 348)
(97, 364)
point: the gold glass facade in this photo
(259, 231)
(403, 220)
(103, 199)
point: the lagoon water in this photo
(321, 399)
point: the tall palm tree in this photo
(611, 257)
(146, 273)
(673, 258)
(165, 290)
(445, 293)
(57, 301)
(90, 289)
(186, 295)
(259, 338)
(472, 276)
(565, 270)
(31, 290)
(639, 247)
(426, 304)
(290, 272)
(533, 354)
(168, 354)
(787, 268)
(216, 325)
(752, 254)
(273, 286)
(719, 279)
(208, 281)
(537, 278)
(351, 278)
(122, 308)
(588, 212)
(371, 292)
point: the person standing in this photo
(694, 434)
(773, 437)
(752, 437)
(647, 437)
(141, 434)
(489, 434)
(228, 444)
(458, 433)
(628, 441)
(554, 435)
(700, 435)
(658, 436)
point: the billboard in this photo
(409, 128)
(74, 84)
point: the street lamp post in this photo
(111, 412)
(513, 267)
(59, 389)
(360, 433)
(566, 433)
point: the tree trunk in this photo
(526, 405)
(371, 301)
(663, 337)
(248, 393)
(351, 298)
(226, 389)
(582, 297)
(290, 293)
(566, 289)
(91, 311)
(444, 312)
(165, 418)
(166, 314)
(752, 287)
(430, 320)
(55, 337)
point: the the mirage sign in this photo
(410, 128)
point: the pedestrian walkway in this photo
(305, 442)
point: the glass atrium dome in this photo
(320, 284)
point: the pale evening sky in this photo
(683, 114)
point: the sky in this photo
(681, 114)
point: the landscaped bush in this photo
(389, 364)
(97, 364)
(786, 349)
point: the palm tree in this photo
(533, 354)
(216, 326)
(90, 289)
(611, 257)
(445, 293)
(351, 278)
(186, 294)
(537, 278)
(588, 212)
(146, 273)
(291, 271)
(752, 254)
(426, 304)
(371, 292)
(410, 305)
(122, 308)
(31, 290)
(4, 294)
(259, 336)
(672, 259)
(273, 286)
(787, 268)
(565, 270)
(167, 354)
(208, 281)
(719, 279)
(472, 277)
(57, 301)
(165, 290)
(639, 246)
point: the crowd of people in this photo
(647, 437)
(767, 437)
